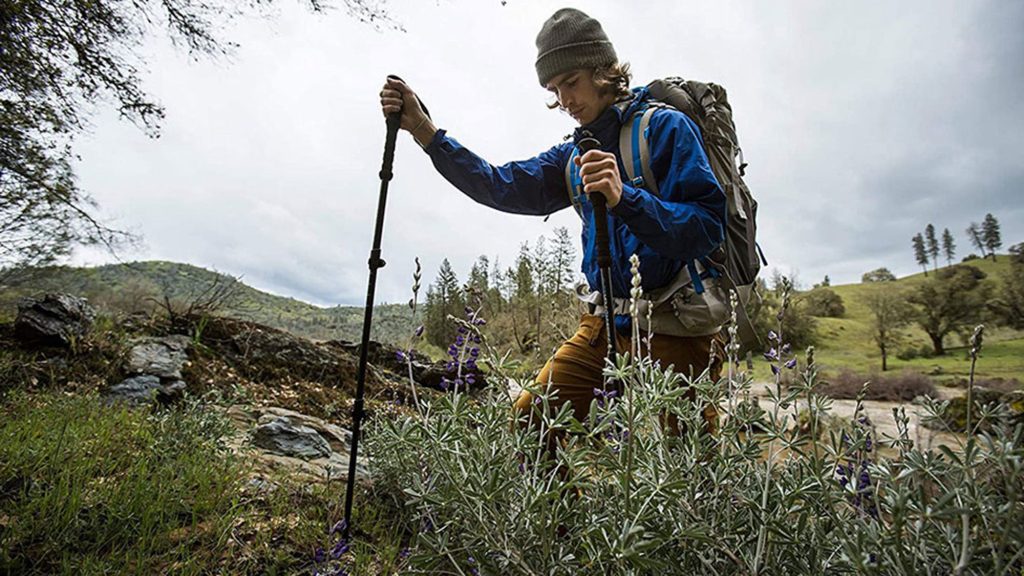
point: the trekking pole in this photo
(604, 254)
(375, 262)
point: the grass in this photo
(846, 343)
(91, 489)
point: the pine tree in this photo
(948, 246)
(974, 233)
(563, 258)
(920, 253)
(933, 245)
(444, 298)
(990, 235)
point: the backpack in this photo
(699, 295)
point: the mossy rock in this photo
(955, 414)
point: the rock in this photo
(53, 320)
(161, 357)
(144, 389)
(428, 375)
(284, 437)
(333, 467)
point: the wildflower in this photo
(472, 569)
(479, 322)
(474, 352)
(771, 355)
(791, 363)
(404, 554)
(339, 527)
(319, 555)
(419, 331)
(340, 549)
(445, 383)
(775, 370)
(470, 379)
(459, 340)
(400, 355)
(786, 348)
(773, 336)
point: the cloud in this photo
(862, 122)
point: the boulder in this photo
(162, 357)
(144, 389)
(53, 320)
(287, 438)
(254, 422)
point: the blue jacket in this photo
(684, 223)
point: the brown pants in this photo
(575, 369)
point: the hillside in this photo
(140, 286)
(847, 342)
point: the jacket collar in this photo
(606, 127)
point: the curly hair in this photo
(614, 78)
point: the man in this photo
(682, 223)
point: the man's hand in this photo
(600, 173)
(397, 97)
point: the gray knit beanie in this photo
(571, 40)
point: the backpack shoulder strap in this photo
(572, 181)
(635, 149)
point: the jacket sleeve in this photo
(687, 220)
(535, 186)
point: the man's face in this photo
(579, 96)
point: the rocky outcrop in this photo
(154, 365)
(295, 443)
(425, 374)
(53, 320)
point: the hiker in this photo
(668, 230)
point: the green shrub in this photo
(621, 494)
(824, 302)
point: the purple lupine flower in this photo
(419, 331)
(400, 355)
(791, 363)
(340, 549)
(450, 366)
(470, 379)
(476, 338)
(453, 351)
(772, 335)
(775, 369)
(470, 364)
(536, 400)
(480, 322)
(469, 312)
(472, 568)
(786, 348)
(474, 352)
(460, 340)
(339, 527)
(404, 553)
(445, 383)
(462, 330)
(319, 555)
(771, 355)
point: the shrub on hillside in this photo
(895, 387)
(878, 275)
(824, 302)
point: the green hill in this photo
(847, 342)
(142, 286)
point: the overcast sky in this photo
(861, 121)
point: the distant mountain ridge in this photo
(136, 286)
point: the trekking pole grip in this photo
(604, 256)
